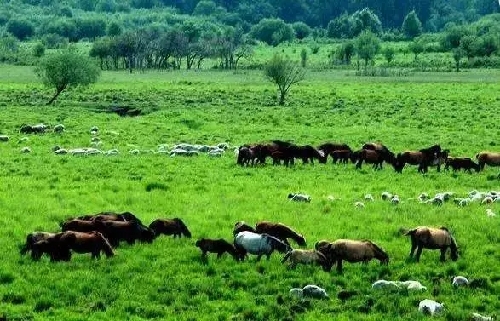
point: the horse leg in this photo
(339, 266)
(413, 247)
(442, 258)
(419, 252)
(219, 255)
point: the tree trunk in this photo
(282, 98)
(457, 62)
(58, 91)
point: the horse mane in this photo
(290, 232)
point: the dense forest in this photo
(167, 33)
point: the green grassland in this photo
(167, 280)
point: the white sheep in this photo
(59, 128)
(314, 291)
(60, 151)
(25, 150)
(478, 317)
(4, 138)
(134, 151)
(423, 197)
(39, 128)
(487, 200)
(395, 200)
(223, 146)
(299, 197)
(94, 130)
(412, 285)
(95, 139)
(359, 205)
(296, 292)
(384, 284)
(386, 196)
(369, 197)
(112, 152)
(490, 213)
(215, 153)
(460, 281)
(430, 307)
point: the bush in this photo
(38, 50)
(272, 31)
(301, 30)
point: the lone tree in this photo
(284, 73)
(412, 27)
(67, 69)
(367, 46)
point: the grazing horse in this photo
(458, 163)
(329, 148)
(241, 226)
(246, 156)
(116, 231)
(488, 158)
(307, 153)
(307, 257)
(51, 247)
(430, 156)
(174, 226)
(279, 156)
(408, 157)
(32, 238)
(280, 231)
(372, 157)
(342, 155)
(78, 226)
(81, 242)
(112, 216)
(258, 244)
(351, 251)
(434, 239)
(219, 246)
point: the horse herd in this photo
(371, 153)
(104, 231)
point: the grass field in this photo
(167, 279)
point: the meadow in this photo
(167, 279)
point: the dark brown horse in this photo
(34, 237)
(329, 148)
(280, 231)
(342, 155)
(78, 226)
(246, 156)
(488, 158)
(307, 153)
(434, 239)
(175, 227)
(219, 246)
(81, 242)
(50, 246)
(351, 251)
(458, 163)
(372, 157)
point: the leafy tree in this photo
(90, 28)
(346, 52)
(303, 57)
(458, 53)
(367, 46)
(272, 31)
(365, 20)
(452, 37)
(284, 73)
(301, 30)
(412, 27)
(67, 69)
(108, 6)
(416, 47)
(205, 7)
(340, 27)
(21, 29)
(114, 29)
(389, 53)
(469, 45)
(38, 50)
(486, 45)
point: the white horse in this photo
(259, 244)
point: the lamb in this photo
(59, 128)
(460, 281)
(4, 138)
(384, 284)
(299, 197)
(430, 307)
(412, 285)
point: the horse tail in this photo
(287, 256)
(106, 247)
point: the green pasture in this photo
(167, 280)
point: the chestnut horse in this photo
(280, 231)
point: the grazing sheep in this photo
(477, 317)
(460, 281)
(223, 146)
(386, 196)
(296, 292)
(84, 151)
(39, 128)
(25, 150)
(487, 200)
(359, 205)
(423, 197)
(134, 151)
(4, 138)
(299, 197)
(384, 284)
(412, 285)
(112, 152)
(59, 128)
(215, 153)
(369, 197)
(22, 140)
(437, 200)
(94, 130)
(395, 200)
(182, 152)
(490, 213)
(314, 291)
(95, 139)
(461, 201)
(430, 307)
(61, 151)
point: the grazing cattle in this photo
(81, 242)
(219, 246)
(298, 256)
(458, 163)
(342, 155)
(434, 239)
(130, 231)
(174, 227)
(280, 231)
(32, 238)
(78, 226)
(51, 247)
(241, 226)
(488, 158)
(258, 244)
(351, 251)
(430, 307)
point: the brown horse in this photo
(241, 226)
(329, 148)
(488, 158)
(351, 251)
(434, 239)
(408, 157)
(307, 153)
(280, 231)
(78, 226)
(458, 163)
(32, 238)
(219, 246)
(130, 231)
(246, 156)
(81, 242)
(173, 226)
(307, 257)
(342, 155)
(372, 157)
(51, 247)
